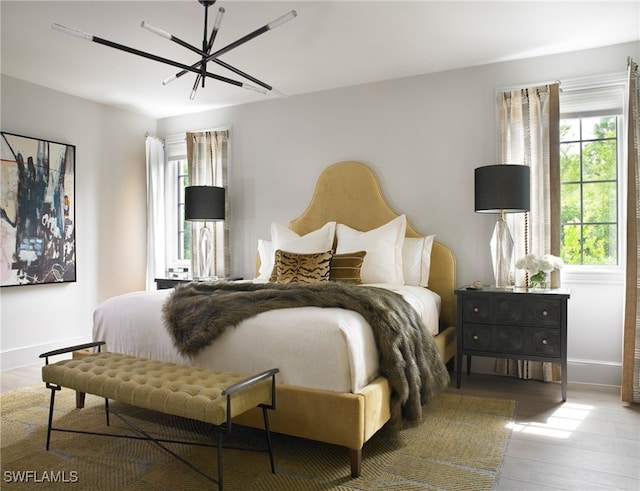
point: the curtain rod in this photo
(526, 86)
(579, 83)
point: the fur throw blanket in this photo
(195, 314)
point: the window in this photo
(589, 189)
(178, 234)
(590, 158)
(178, 242)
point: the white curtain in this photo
(207, 157)
(528, 132)
(156, 256)
(631, 347)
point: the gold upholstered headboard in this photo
(349, 193)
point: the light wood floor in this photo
(591, 442)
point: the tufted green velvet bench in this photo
(180, 390)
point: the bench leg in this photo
(219, 442)
(268, 433)
(80, 396)
(51, 403)
(106, 410)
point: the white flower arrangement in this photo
(539, 267)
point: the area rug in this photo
(459, 446)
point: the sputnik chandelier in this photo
(206, 56)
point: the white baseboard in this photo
(29, 355)
(596, 372)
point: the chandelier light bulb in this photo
(218, 21)
(281, 20)
(254, 88)
(156, 30)
(167, 81)
(72, 32)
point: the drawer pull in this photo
(476, 310)
(544, 341)
(545, 313)
(475, 337)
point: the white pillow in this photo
(320, 240)
(416, 260)
(383, 262)
(266, 254)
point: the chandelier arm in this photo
(216, 28)
(234, 70)
(208, 47)
(212, 57)
(167, 35)
(160, 59)
(143, 54)
(203, 67)
(261, 30)
(242, 74)
(248, 37)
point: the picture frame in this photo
(37, 211)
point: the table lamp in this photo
(204, 204)
(502, 189)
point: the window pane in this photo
(184, 230)
(186, 240)
(599, 160)
(600, 244)
(571, 244)
(571, 211)
(181, 185)
(569, 130)
(598, 128)
(600, 202)
(569, 162)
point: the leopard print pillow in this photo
(302, 268)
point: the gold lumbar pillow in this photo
(346, 267)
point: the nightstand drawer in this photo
(524, 312)
(511, 339)
(476, 309)
(544, 342)
(477, 337)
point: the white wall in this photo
(110, 217)
(423, 136)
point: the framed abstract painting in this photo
(37, 211)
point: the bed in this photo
(354, 406)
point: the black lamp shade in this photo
(203, 203)
(502, 188)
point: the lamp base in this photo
(202, 269)
(501, 253)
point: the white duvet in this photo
(319, 348)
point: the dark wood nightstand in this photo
(517, 324)
(166, 283)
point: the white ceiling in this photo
(330, 44)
